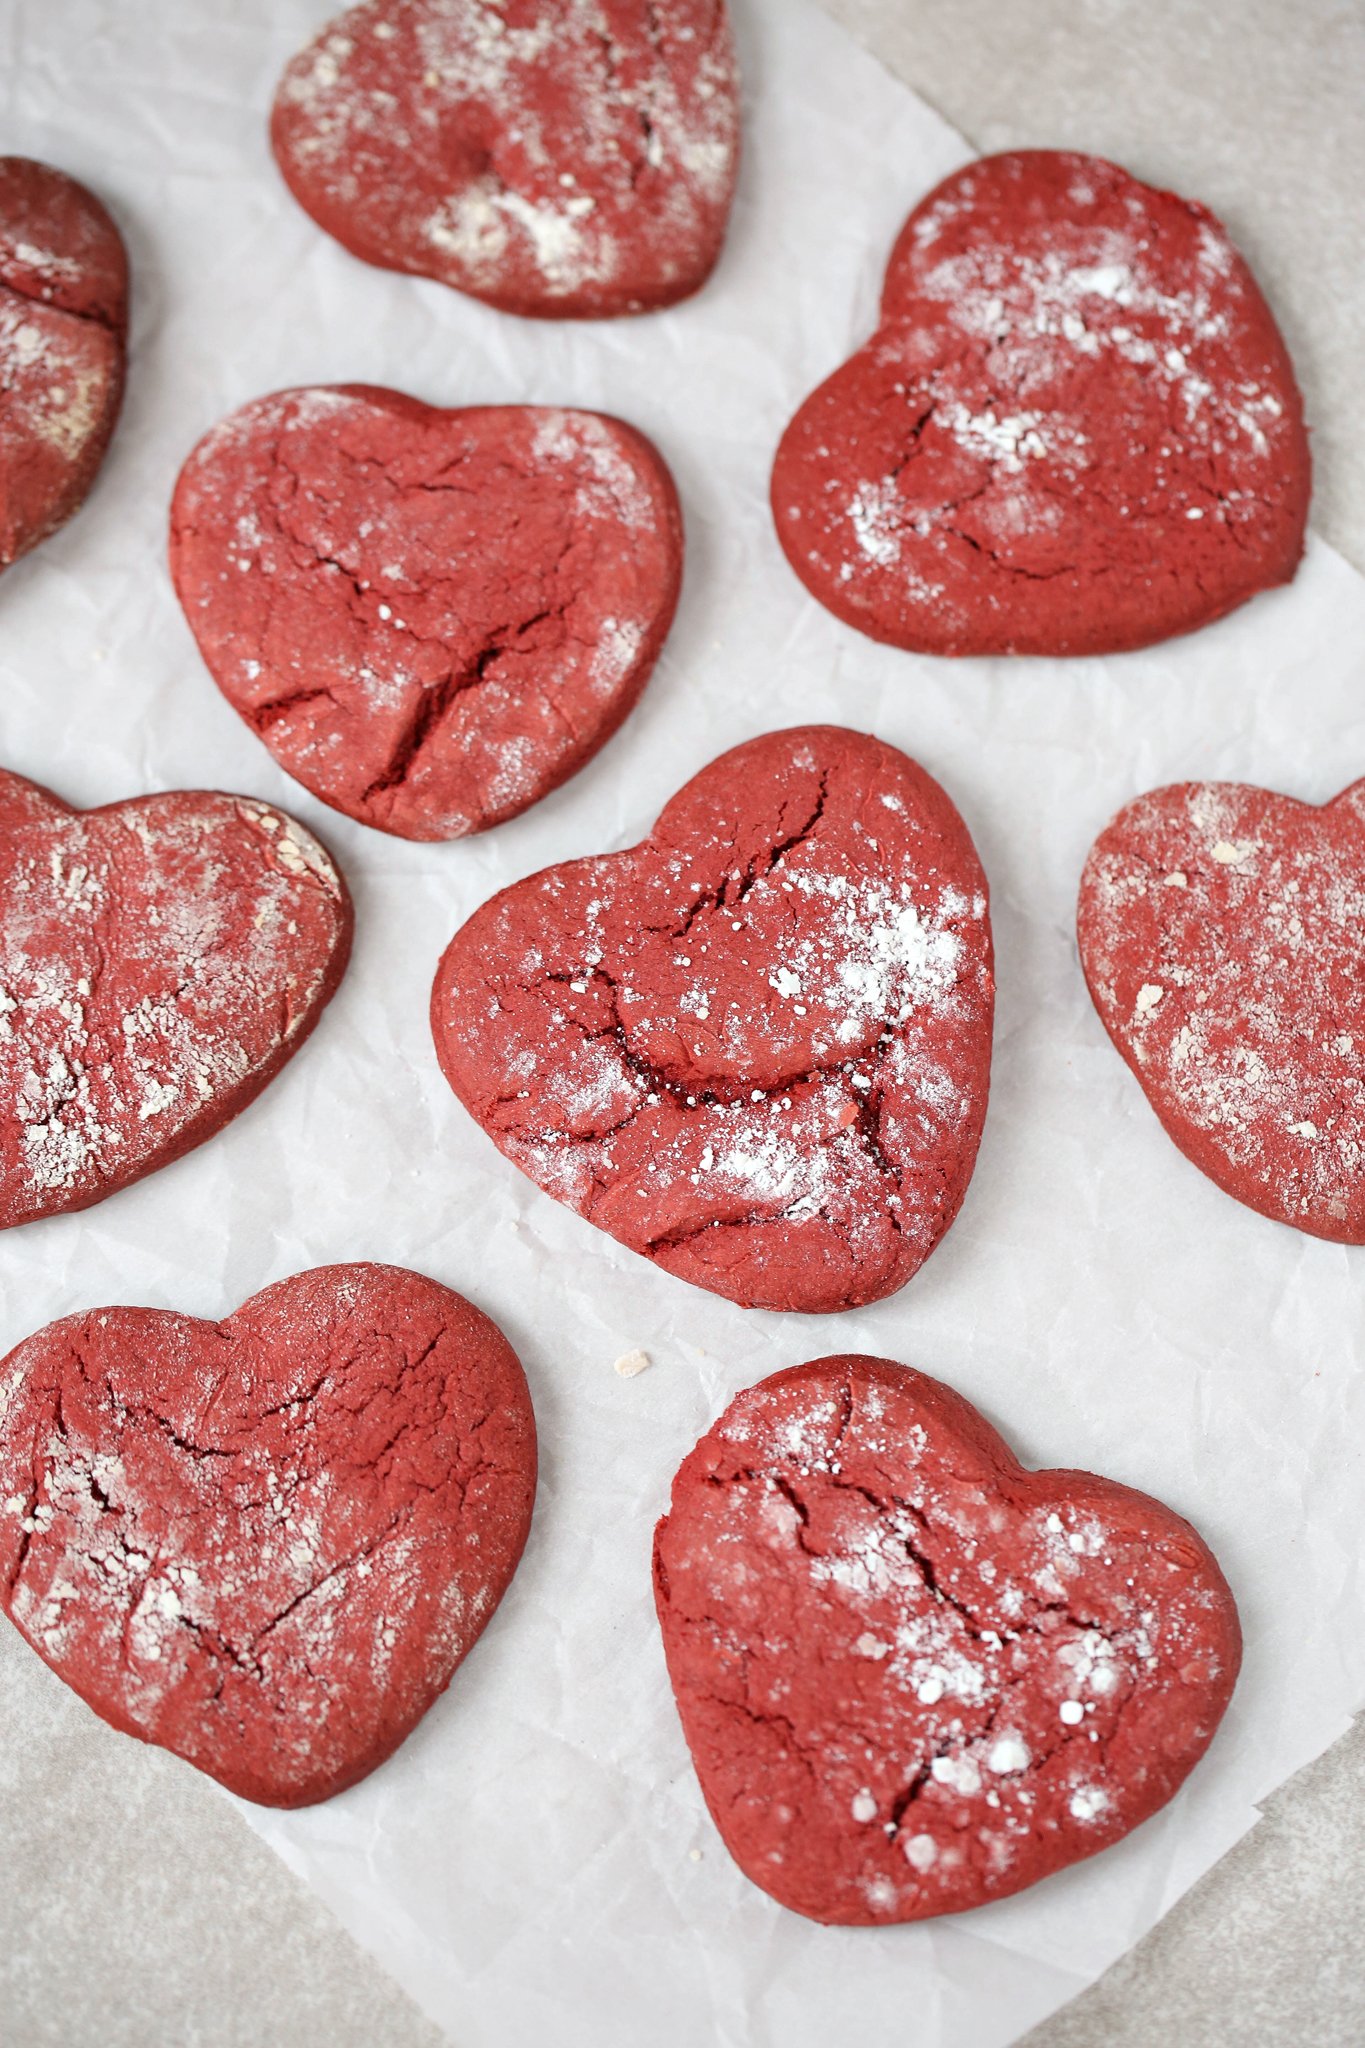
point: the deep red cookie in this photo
(431, 618)
(63, 333)
(1222, 933)
(756, 1047)
(160, 960)
(552, 157)
(913, 1676)
(266, 1544)
(1075, 431)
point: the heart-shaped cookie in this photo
(1222, 933)
(160, 960)
(430, 618)
(266, 1544)
(913, 1676)
(756, 1047)
(550, 157)
(1075, 431)
(63, 329)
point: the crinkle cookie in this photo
(63, 336)
(160, 961)
(756, 1047)
(552, 157)
(1222, 933)
(915, 1677)
(266, 1544)
(430, 618)
(1076, 429)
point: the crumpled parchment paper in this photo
(536, 1864)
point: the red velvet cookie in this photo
(266, 1544)
(913, 1676)
(160, 960)
(63, 331)
(1075, 431)
(1222, 933)
(756, 1047)
(552, 157)
(431, 618)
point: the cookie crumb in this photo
(632, 1363)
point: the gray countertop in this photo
(148, 1912)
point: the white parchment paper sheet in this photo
(525, 1865)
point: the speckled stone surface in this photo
(149, 1913)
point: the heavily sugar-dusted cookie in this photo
(1222, 933)
(755, 1047)
(63, 331)
(552, 157)
(1076, 429)
(160, 960)
(266, 1544)
(914, 1676)
(431, 618)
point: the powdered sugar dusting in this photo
(1070, 385)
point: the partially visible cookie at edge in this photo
(266, 1544)
(161, 960)
(555, 158)
(63, 339)
(1222, 934)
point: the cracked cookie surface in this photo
(1075, 431)
(913, 1676)
(63, 333)
(554, 158)
(1222, 934)
(756, 1047)
(160, 961)
(431, 618)
(266, 1544)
